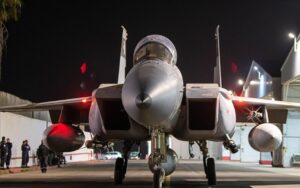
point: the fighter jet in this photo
(152, 103)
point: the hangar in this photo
(30, 126)
(290, 75)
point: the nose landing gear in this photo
(158, 177)
(158, 156)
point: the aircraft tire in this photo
(118, 175)
(211, 171)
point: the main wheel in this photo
(118, 176)
(158, 177)
(211, 171)
(125, 167)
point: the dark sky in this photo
(53, 38)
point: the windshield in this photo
(153, 50)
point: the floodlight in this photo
(291, 35)
(240, 82)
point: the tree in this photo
(9, 10)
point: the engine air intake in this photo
(202, 114)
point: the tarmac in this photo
(14, 170)
(189, 173)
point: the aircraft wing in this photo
(270, 104)
(277, 110)
(73, 110)
(81, 103)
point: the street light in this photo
(292, 36)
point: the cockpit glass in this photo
(153, 50)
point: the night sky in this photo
(51, 40)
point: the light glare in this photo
(291, 35)
(240, 82)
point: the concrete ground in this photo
(189, 173)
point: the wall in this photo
(182, 149)
(291, 137)
(83, 154)
(246, 153)
(19, 128)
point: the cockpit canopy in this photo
(155, 47)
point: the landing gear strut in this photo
(208, 163)
(158, 156)
(121, 163)
(230, 145)
(191, 152)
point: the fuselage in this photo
(154, 96)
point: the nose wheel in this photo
(158, 177)
(158, 156)
(121, 163)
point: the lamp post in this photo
(292, 36)
(240, 82)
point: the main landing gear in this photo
(121, 163)
(208, 163)
(119, 172)
(230, 145)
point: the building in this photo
(30, 126)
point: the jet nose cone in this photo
(143, 101)
(152, 93)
